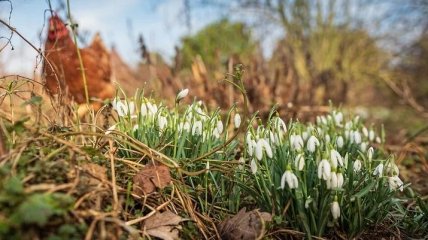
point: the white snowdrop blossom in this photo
(391, 169)
(237, 120)
(324, 169)
(335, 159)
(162, 122)
(378, 140)
(365, 132)
(371, 135)
(280, 125)
(339, 142)
(335, 209)
(296, 142)
(395, 183)
(220, 126)
(143, 109)
(338, 118)
(262, 144)
(327, 138)
(370, 154)
(363, 147)
(332, 181)
(289, 178)
(308, 201)
(259, 150)
(197, 128)
(312, 144)
(357, 165)
(378, 170)
(182, 94)
(340, 180)
(299, 161)
(253, 166)
(124, 108)
(305, 135)
(357, 137)
(216, 133)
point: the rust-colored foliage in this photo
(244, 225)
(150, 178)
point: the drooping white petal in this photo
(378, 170)
(357, 165)
(395, 183)
(335, 210)
(253, 166)
(182, 94)
(312, 144)
(299, 161)
(339, 142)
(237, 120)
(324, 169)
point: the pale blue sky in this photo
(160, 21)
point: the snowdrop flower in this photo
(365, 132)
(335, 158)
(290, 178)
(308, 201)
(216, 134)
(332, 181)
(197, 128)
(392, 169)
(186, 126)
(253, 166)
(262, 144)
(357, 165)
(220, 126)
(296, 142)
(250, 145)
(371, 135)
(280, 125)
(357, 137)
(395, 183)
(363, 147)
(370, 154)
(378, 170)
(335, 209)
(312, 144)
(182, 94)
(327, 138)
(143, 109)
(123, 108)
(340, 180)
(378, 140)
(305, 135)
(323, 120)
(348, 125)
(338, 118)
(299, 161)
(324, 169)
(237, 120)
(162, 122)
(339, 142)
(152, 108)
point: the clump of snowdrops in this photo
(331, 174)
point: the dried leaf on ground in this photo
(151, 177)
(163, 225)
(244, 225)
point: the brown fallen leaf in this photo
(244, 225)
(163, 225)
(151, 177)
